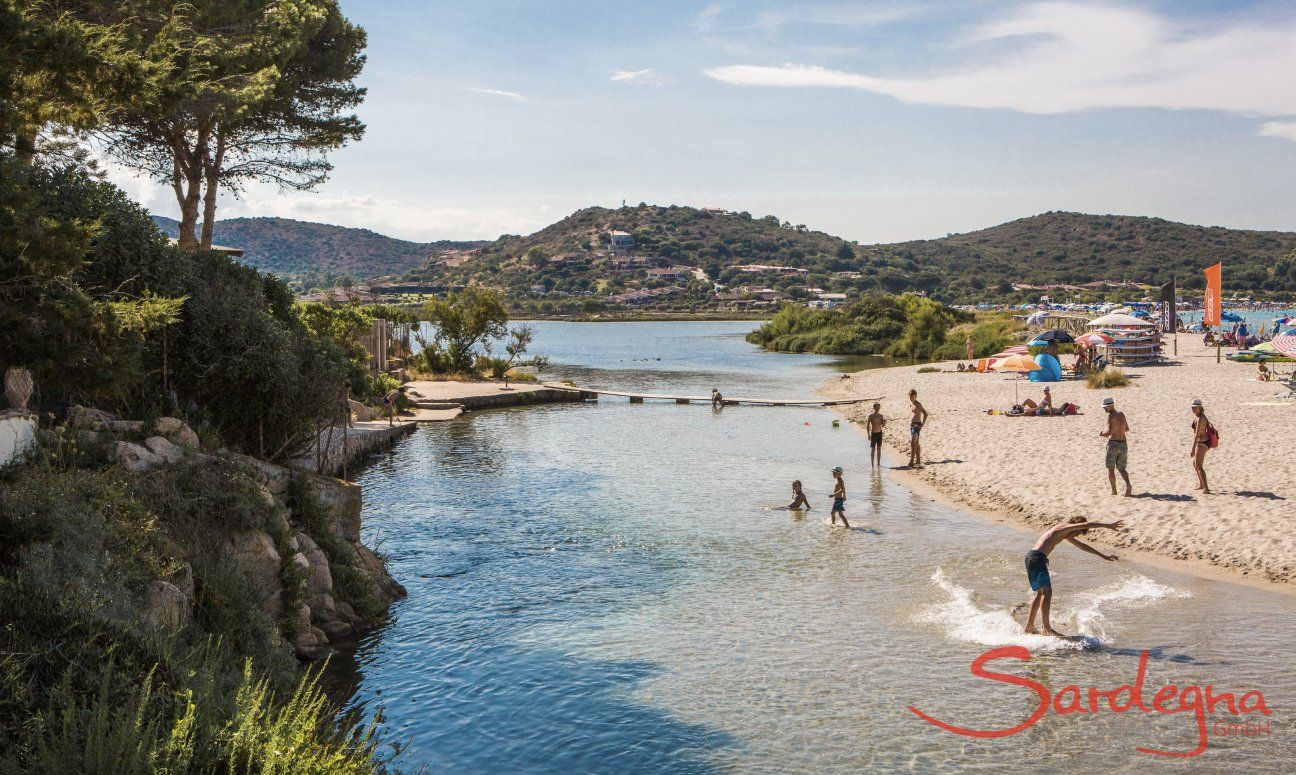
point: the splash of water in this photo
(965, 620)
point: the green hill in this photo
(1055, 247)
(313, 252)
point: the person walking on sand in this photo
(1203, 434)
(1037, 564)
(839, 497)
(916, 423)
(1117, 448)
(798, 498)
(876, 422)
(970, 344)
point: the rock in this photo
(374, 568)
(337, 628)
(18, 387)
(89, 417)
(126, 426)
(165, 451)
(254, 552)
(359, 410)
(321, 578)
(311, 643)
(165, 605)
(177, 432)
(17, 435)
(135, 457)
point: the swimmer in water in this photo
(798, 498)
(1037, 564)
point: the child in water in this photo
(839, 497)
(798, 498)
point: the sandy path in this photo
(1038, 470)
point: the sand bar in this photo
(1034, 471)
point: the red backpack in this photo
(1212, 437)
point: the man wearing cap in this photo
(839, 497)
(1117, 448)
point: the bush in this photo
(929, 370)
(1111, 377)
(904, 326)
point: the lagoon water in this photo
(606, 588)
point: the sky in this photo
(876, 121)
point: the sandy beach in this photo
(1034, 471)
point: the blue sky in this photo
(878, 121)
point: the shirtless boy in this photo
(1037, 564)
(876, 422)
(1117, 448)
(916, 423)
(839, 497)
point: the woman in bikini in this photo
(1202, 432)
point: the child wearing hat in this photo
(839, 497)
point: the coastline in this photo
(1000, 468)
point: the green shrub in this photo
(929, 370)
(905, 326)
(1111, 377)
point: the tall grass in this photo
(1111, 377)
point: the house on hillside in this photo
(670, 273)
(621, 242)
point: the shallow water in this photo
(605, 587)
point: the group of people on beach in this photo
(799, 500)
(1205, 437)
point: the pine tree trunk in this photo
(211, 171)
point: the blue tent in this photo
(1050, 369)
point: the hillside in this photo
(314, 251)
(566, 258)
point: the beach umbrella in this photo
(1284, 343)
(1093, 338)
(1056, 335)
(1230, 317)
(1018, 363)
(1017, 349)
(1140, 314)
(1118, 320)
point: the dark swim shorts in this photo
(875, 439)
(839, 504)
(1037, 569)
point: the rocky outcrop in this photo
(304, 549)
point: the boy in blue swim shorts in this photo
(1037, 560)
(839, 497)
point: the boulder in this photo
(376, 570)
(359, 410)
(89, 417)
(177, 432)
(253, 551)
(17, 435)
(165, 604)
(135, 457)
(336, 628)
(311, 643)
(164, 450)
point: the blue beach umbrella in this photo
(1230, 317)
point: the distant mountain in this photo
(289, 248)
(1053, 248)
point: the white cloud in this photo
(833, 15)
(707, 18)
(512, 95)
(1283, 129)
(645, 77)
(1073, 57)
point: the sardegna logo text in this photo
(1168, 700)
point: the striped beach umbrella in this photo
(1285, 344)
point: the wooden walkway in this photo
(638, 398)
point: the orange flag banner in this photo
(1213, 296)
